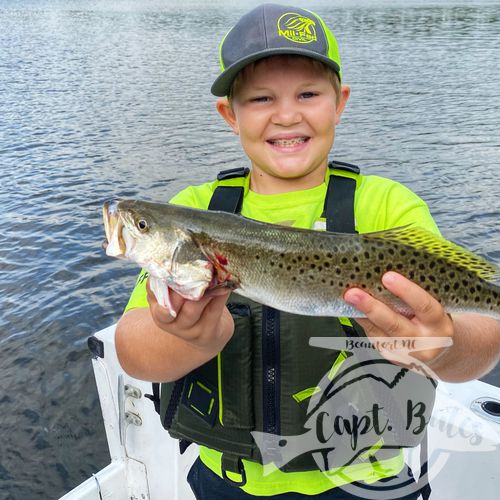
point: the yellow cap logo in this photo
(297, 28)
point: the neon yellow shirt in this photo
(379, 204)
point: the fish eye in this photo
(142, 225)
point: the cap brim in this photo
(222, 84)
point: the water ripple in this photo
(111, 99)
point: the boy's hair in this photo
(316, 65)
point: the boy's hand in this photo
(205, 324)
(430, 319)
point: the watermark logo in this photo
(297, 28)
(371, 408)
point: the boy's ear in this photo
(226, 111)
(345, 92)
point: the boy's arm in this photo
(476, 339)
(152, 345)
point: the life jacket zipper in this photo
(271, 369)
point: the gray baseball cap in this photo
(272, 29)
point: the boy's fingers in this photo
(425, 307)
(381, 319)
(214, 307)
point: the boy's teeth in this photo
(289, 142)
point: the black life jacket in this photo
(264, 377)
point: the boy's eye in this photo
(260, 98)
(308, 95)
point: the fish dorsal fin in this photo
(422, 239)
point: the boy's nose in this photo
(286, 114)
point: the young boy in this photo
(280, 90)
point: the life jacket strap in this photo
(233, 464)
(227, 199)
(338, 209)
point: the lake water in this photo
(111, 98)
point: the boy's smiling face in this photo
(285, 110)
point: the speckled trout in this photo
(296, 270)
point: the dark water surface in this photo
(111, 98)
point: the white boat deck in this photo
(146, 464)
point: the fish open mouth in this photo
(114, 244)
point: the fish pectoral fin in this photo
(417, 238)
(162, 293)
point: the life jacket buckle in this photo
(233, 173)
